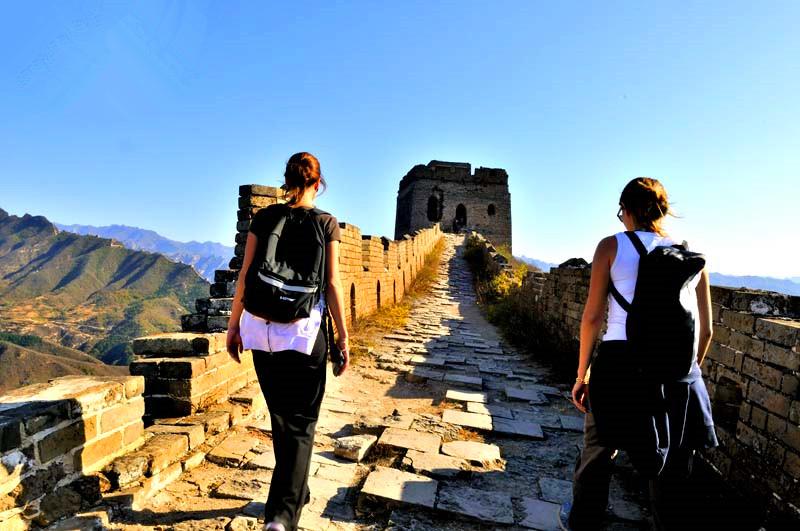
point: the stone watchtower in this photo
(450, 194)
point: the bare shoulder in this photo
(607, 246)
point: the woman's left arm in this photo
(703, 292)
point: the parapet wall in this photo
(55, 436)
(751, 372)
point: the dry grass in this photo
(392, 317)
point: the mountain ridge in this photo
(205, 257)
(87, 292)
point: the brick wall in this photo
(54, 436)
(751, 372)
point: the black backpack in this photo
(287, 275)
(660, 330)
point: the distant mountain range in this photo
(204, 257)
(87, 293)
(789, 286)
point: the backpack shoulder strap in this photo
(637, 243)
(618, 296)
(315, 215)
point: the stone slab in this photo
(242, 488)
(541, 515)
(355, 447)
(571, 423)
(411, 440)
(427, 361)
(474, 382)
(518, 427)
(466, 396)
(489, 409)
(472, 451)
(469, 420)
(423, 374)
(265, 460)
(525, 394)
(556, 490)
(232, 450)
(486, 506)
(388, 484)
(435, 465)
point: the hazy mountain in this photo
(85, 292)
(205, 257)
(544, 266)
(781, 285)
(789, 286)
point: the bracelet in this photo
(580, 379)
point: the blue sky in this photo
(152, 115)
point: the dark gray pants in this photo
(293, 384)
(593, 476)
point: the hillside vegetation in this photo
(87, 293)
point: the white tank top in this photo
(624, 270)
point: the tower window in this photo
(491, 210)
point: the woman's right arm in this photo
(234, 340)
(593, 314)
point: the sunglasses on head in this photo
(619, 212)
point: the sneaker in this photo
(563, 516)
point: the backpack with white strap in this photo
(287, 276)
(659, 328)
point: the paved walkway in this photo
(455, 430)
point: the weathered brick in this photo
(792, 436)
(164, 449)
(182, 367)
(10, 434)
(743, 322)
(744, 343)
(781, 356)
(722, 334)
(794, 412)
(751, 437)
(64, 440)
(776, 425)
(99, 452)
(722, 354)
(758, 418)
(145, 367)
(778, 331)
(790, 384)
(770, 400)
(791, 464)
(120, 415)
(132, 432)
(765, 374)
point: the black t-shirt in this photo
(261, 223)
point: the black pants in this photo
(594, 467)
(293, 384)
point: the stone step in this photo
(386, 488)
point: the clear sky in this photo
(151, 115)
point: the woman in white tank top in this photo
(643, 205)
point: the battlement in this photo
(450, 194)
(437, 170)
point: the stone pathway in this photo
(455, 430)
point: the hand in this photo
(342, 343)
(580, 394)
(233, 343)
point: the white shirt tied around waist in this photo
(624, 271)
(259, 334)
